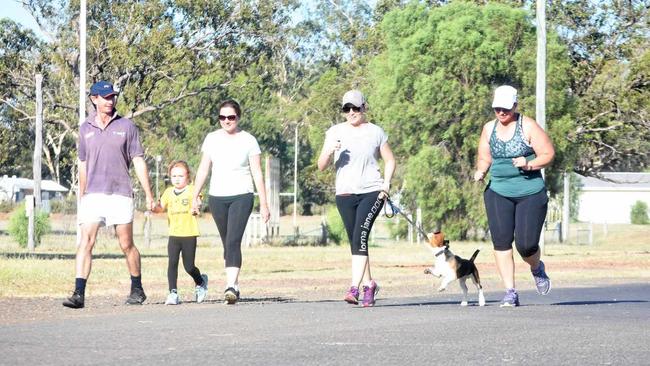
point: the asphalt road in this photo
(570, 326)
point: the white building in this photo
(611, 200)
(15, 189)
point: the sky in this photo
(14, 10)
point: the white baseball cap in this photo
(354, 97)
(505, 96)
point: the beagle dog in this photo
(452, 267)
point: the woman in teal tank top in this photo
(513, 148)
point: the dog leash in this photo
(396, 209)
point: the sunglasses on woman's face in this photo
(349, 108)
(231, 118)
(502, 110)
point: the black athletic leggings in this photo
(187, 246)
(231, 214)
(520, 218)
(359, 212)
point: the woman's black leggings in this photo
(187, 246)
(359, 212)
(519, 218)
(231, 214)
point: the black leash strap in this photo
(396, 209)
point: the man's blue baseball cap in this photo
(103, 88)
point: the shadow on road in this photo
(248, 300)
(428, 303)
(598, 302)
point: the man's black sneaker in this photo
(76, 301)
(136, 297)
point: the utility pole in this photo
(295, 180)
(540, 86)
(82, 93)
(38, 151)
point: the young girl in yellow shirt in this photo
(183, 231)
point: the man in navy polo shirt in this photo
(108, 144)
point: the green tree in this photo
(610, 76)
(432, 87)
(172, 60)
(17, 46)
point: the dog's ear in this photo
(437, 239)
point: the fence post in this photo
(147, 229)
(418, 222)
(410, 230)
(29, 212)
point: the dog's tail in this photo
(474, 255)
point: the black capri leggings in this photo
(231, 213)
(520, 218)
(359, 212)
(187, 246)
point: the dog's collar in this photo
(442, 251)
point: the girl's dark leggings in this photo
(519, 218)
(231, 213)
(359, 212)
(187, 246)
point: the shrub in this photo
(19, 224)
(6, 206)
(639, 213)
(335, 227)
(66, 206)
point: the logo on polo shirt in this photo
(119, 133)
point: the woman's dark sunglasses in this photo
(499, 110)
(347, 108)
(232, 117)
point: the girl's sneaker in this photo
(511, 299)
(352, 297)
(172, 298)
(369, 293)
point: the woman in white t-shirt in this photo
(234, 156)
(360, 189)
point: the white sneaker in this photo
(172, 298)
(200, 292)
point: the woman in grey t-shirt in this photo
(356, 146)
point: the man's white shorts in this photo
(107, 209)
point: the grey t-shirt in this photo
(108, 154)
(357, 169)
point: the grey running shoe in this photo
(201, 291)
(542, 282)
(136, 297)
(511, 299)
(231, 296)
(76, 301)
(172, 298)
